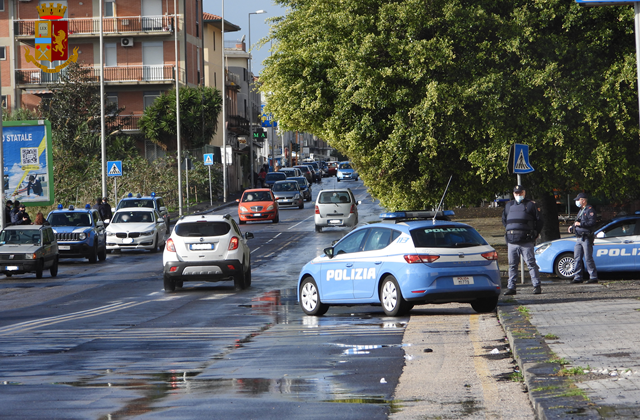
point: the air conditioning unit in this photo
(126, 42)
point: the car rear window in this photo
(446, 237)
(275, 176)
(202, 229)
(303, 168)
(328, 197)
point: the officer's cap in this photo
(518, 188)
(579, 196)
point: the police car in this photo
(80, 233)
(411, 258)
(151, 201)
(616, 247)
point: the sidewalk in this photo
(578, 347)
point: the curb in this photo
(552, 396)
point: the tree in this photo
(416, 90)
(199, 109)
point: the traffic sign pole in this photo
(210, 190)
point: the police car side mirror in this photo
(328, 252)
(600, 235)
(163, 208)
(248, 235)
(100, 223)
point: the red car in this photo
(258, 205)
(332, 168)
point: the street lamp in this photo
(258, 12)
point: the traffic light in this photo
(295, 147)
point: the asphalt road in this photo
(104, 341)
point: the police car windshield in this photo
(70, 219)
(202, 229)
(446, 237)
(135, 203)
(133, 217)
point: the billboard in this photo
(28, 164)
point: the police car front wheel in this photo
(310, 298)
(564, 265)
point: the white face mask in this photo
(519, 198)
(578, 203)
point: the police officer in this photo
(523, 224)
(583, 228)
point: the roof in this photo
(216, 21)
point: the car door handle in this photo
(627, 242)
(378, 262)
(349, 265)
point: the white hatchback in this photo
(207, 248)
(335, 208)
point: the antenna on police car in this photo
(442, 199)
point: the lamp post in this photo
(258, 12)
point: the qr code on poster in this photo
(29, 155)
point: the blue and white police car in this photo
(411, 258)
(616, 247)
(80, 233)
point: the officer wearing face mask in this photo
(523, 224)
(583, 228)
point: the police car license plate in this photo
(462, 280)
(127, 241)
(11, 267)
(64, 247)
(200, 247)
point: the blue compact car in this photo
(411, 258)
(346, 172)
(616, 247)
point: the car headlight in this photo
(270, 207)
(111, 234)
(147, 233)
(82, 236)
(297, 197)
(539, 250)
(30, 256)
(243, 209)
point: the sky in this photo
(237, 12)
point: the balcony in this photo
(123, 75)
(115, 26)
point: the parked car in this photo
(272, 177)
(28, 249)
(136, 228)
(151, 201)
(80, 233)
(346, 172)
(335, 208)
(287, 193)
(207, 248)
(306, 172)
(305, 187)
(408, 259)
(258, 205)
(615, 249)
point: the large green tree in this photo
(414, 91)
(199, 109)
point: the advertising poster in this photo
(28, 166)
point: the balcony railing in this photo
(128, 122)
(112, 75)
(114, 25)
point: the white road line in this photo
(301, 222)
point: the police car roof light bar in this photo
(402, 216)
(87, 207)
(442, 199)
(60, 206)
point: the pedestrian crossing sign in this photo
(518, 162)
(114, 168)
(208, 159)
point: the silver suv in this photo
(336, 208)
(207, 248)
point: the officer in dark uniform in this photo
(523, 225)
(583, 228)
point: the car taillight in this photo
(420, 258)
(353, 208)
(170, 245)
(317, 210)
(491, 256)
(233, 243)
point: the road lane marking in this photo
(301, 222)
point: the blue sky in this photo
(237, 12)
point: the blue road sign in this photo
(208, 159)
(520, 160)
(114, 168)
